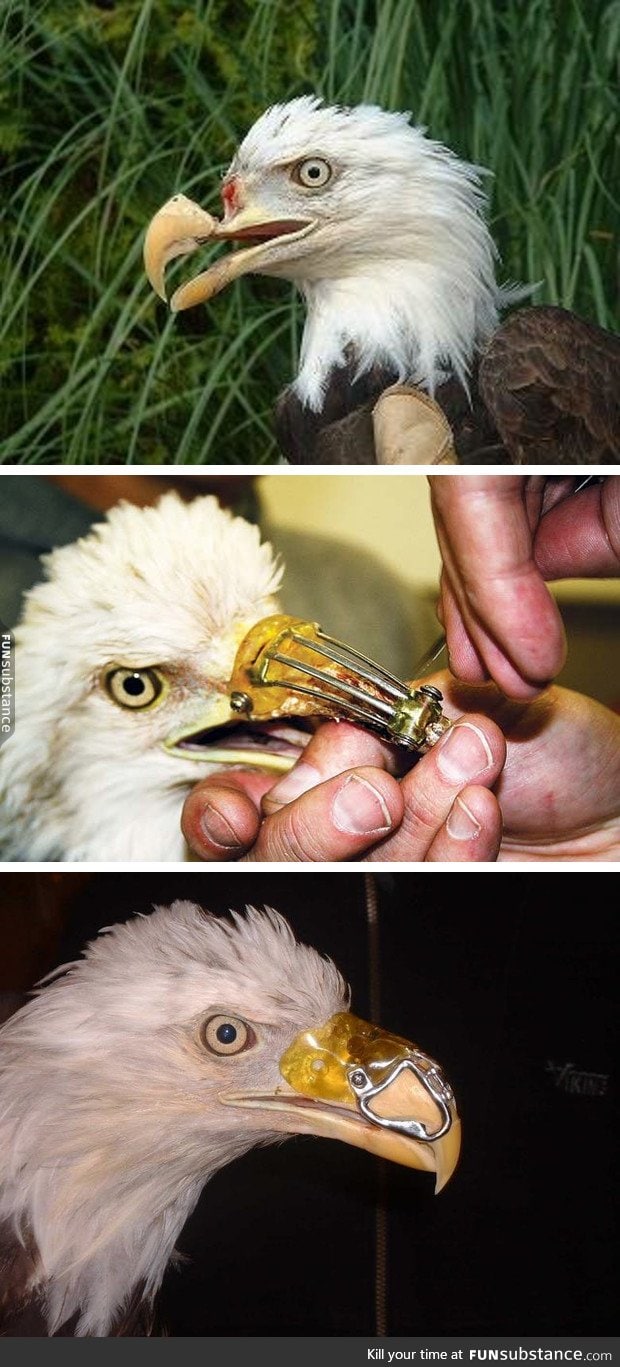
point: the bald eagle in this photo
(122, 663)
(124, 677)
(176, 1044)
(383, 231)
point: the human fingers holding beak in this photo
(340, 802)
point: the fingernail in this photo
(358, 809)
(218, 829)
(461, 823)
(464, 753)
(298, 781)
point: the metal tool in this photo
(589, 479)
(286, 666)
(428, 1073)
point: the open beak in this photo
(216, 736)
(213, 732)
(180, 227)
(352, 1081)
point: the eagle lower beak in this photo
(217, 737)
(215, 733)
(181, 226)
(352, 1081)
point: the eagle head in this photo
(381, 228)
(178, 1042)
(123, 657)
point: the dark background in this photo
(495, 977)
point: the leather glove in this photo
(411, 429)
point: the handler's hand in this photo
(559, 790)
(501, 536)
(344, 801)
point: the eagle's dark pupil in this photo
(314, 172)
(226, 1034)
(134, 685)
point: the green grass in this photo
(106, 110)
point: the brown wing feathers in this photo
(547, 392)
(551, 383)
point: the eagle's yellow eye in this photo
(134, 688)
(227, 1035)
(313, 173)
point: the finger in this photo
(508, 613)
(534, 495)
(556, 489)
(486, 545)
(472, 832)
(472, 751)
(477, 655)
(499, 667)
(221, 816)
(465, 662)
(338, 820)
(581, 535)
(477, 662)
(334, 748)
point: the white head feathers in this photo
(173, 585)
(400, 265)
(110, 1122)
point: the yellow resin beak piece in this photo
(261, 677)
(290, 667)
(393, 1085)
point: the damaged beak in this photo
(349, 1080)
(180, 227)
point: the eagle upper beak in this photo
(214, 732)
(352, 1081)
(181, 226)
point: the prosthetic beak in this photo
(286, 675)
(349, 1080)
(211, 731)
(286, 666)
(180, 227)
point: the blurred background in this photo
(109, 107)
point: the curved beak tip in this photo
(154, 269)
(175, 302)
(447, 1155)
